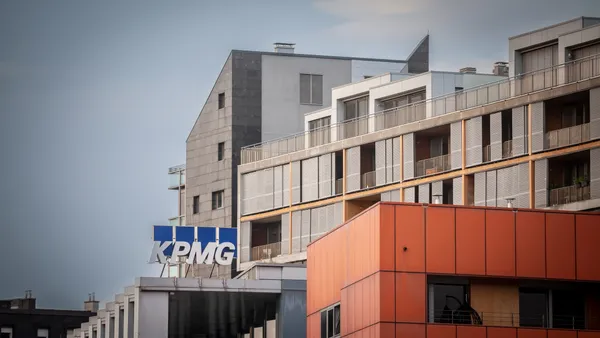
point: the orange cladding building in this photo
(443, 271)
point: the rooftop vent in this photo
(284, 47)
(501, 68)
(468, 70)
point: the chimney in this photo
(26, 303)
(91, 305)
(468, 70)
(284, 47)
(501, 68)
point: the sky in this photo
(97, 99)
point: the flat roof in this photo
(317, 56)
(555, 25)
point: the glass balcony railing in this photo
(507, 319)
(176, 180)
(177, 221)
(522, 84)
(568, 136)
(367, 180)
(570, 194)
(266, 251)
(432, 165)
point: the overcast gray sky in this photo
(97, 99)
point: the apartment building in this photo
(262, 96)
(444, 271)
(531, 140)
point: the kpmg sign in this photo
(198, 245)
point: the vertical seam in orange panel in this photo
(575, 240)
(545, 248)
(515, 239)
(425, 260)
(395, 293)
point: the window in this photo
(311, 89)
(533, 307)
(221, 151)
(43, 333)
(221, 100)
(448, 303)
(196, 207)
(403, 100)
(330, 322)
(217, 199)
(6, 332)
(356, 108)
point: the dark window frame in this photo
(331, 322)
(221, 101)
(196, 204)
(220, 151)
(217, 199)
(314, 90)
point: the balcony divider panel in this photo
(491, 188)
(518, 126)
(389, 161)
(457, 183)
(325, 176)
(541, 186)
(296, 180)
(285, 233)
(537, 127)
(396, 156)
(496, 136)
(480, 187)
(310, 179)
(456, 145)
(408, 143)
(380, 163)
(595, 113)
(245, 241)
(278, 186)
(409, 194)
(595, 173)
(353, 169)
(296, 231)
(424, 193)
(474, 141)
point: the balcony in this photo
(320, 136)
(367, 180)
(177, 180)
(432, 165)
(568, 136)
(521, 84)
(507, 319)
(177, 220)
(267, 251)
(570, 194)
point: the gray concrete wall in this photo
(281, 109)
(291, 311)
(152, 315)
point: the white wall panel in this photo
(456, 145)
(296, 181)
(457, 191)
(396, 160)
(496, 136)
(480, 188)
(518, 130)
(537, 127)
(286, 185)
(474, 141)
(285, 233)
(296, 231)
(389, 161)
(409, 194)
(325, 178)
(408, 143)
(310, 179)
(380, 163)
(541, 186)
(490, 194)
(424, 193)
(278, 187)
(353, 169)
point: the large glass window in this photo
(356, 108)
(330, 322)
(533, 307)
(311, 89)
(404, 100)
(449, 303)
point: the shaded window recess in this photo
(221, 151)
(221, 100)
(330, 322)
(196, 205)
(311, 89)
(217, 199)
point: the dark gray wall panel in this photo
(380, 163)
(296, 181)
(408, 144)
(595, 173)
(353, 169)
(518, 125)
(595, 113)
(503, 186)
(456, 145)
(541, 187)
(537, 127)
(480, 188)
(496, 136)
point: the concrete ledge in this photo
(204, 284)
(577, 206)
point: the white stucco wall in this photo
(360, 68)
(282, 113)
(152, 314)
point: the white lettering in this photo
(212, 253)
(199, 256)
(158, 252)
(179, 249)
(225, 258)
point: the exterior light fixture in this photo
(437, 199)
(509, 202)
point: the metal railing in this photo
(568, 136)
(551, 77)
(507, 149)
(320, 136)
(367, 180)
(339, 186)
(462, 317)
(432, 165)
(266, 251)
(570, 194)
(487, 153)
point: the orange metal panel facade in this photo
(377, 265)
